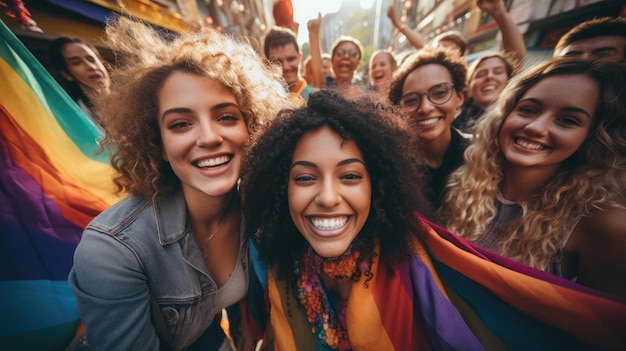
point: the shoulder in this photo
(120, 215)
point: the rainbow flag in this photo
(52, 183)
(451, 295)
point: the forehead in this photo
(381, 57)
(426, 76)
(283, 50)
(567, 90)
(346, 45)
(77, 49)
(587, 46)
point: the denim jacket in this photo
(141, 247)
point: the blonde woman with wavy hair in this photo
(548, 161)
(157, 269)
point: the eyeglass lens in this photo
(438, 94)
(350, 53)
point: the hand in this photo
(314, 25)
(391, 13)
(490, 6)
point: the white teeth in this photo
(489, 88)
(212, 162)
(427, 122)
(528, 145)
(329, 223)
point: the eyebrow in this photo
(313, 165)
(568, 109)
(187, 110)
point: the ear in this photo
(67, 76)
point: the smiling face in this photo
(85, 68)
(203, 133)
(488, 80)
(381, 70)
(289, 58)
(329, 191)
(432, 121)
(550, 122)
(345, 61)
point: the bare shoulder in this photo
(595, 253)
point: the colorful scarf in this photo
(450, 295)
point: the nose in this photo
(425, 106)
(208, 134)
(538, 126)
(328, 196)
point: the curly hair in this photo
(390, 160)
(453, 63)
(584, 182)
(146, 60)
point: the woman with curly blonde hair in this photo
(159, 267)
(548, 160)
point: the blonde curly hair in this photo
(591, 179)
(145, 60)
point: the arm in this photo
(512, 40)
(112, 295)
(598, 245)
(415, 38)
(316, 51)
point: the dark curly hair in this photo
(455, 64)
(391, 161)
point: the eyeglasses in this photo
(438, 94)
(350, 53)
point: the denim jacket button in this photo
(170, 314)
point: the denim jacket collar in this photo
(167, 208)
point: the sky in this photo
(304, 10)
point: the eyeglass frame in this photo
(355, 54)
(405, 110)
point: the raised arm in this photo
(314, 26)
(512, 40)
(415, 38)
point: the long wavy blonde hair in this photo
(145, 60)
(592, 178)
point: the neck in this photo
(207, 213)
(435, 150)
(520, 183)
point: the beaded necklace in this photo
(328, 322)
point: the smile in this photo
(428, 122)
(214, 162)
(528, 145)
(327, 224)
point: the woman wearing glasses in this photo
(345, 58)
(429, 91)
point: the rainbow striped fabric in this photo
(52, 184)
(451, 295)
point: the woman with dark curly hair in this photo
(178, 116)
(342, 262)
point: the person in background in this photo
(596, 38)
(158, 268)
(83, 71)
(543, 181)
(429, 89)
(346, 54)
(381, 67)
(281, 46)
(327, 69)
(340, 260)
(489, 74)
(450, 39)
